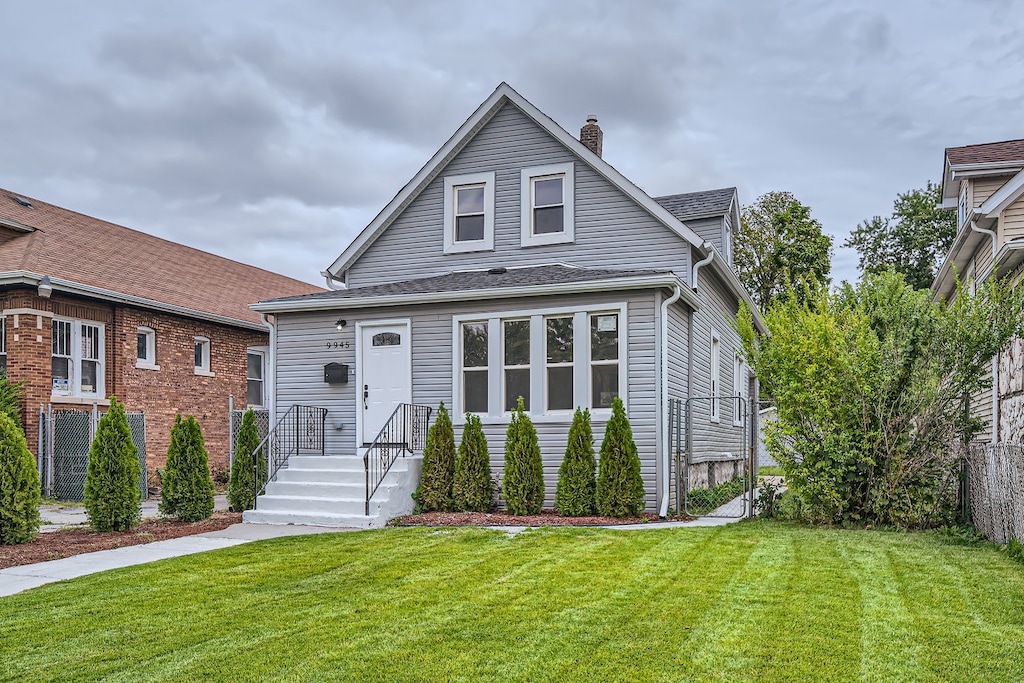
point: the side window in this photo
(145, 353)
(254, 394)
(202, 356)
(547, 207)
(76, 358)
(469, 213)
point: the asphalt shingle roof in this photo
(90, 251)
(990, 152)
(477, 280)
(694, 205)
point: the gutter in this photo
(272, 362)
(333, 282)
(710, 249)
(665, 459)
(995, 358)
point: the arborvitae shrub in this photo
(11, 394)
(438, 464)
(523, 484)
(19, 486)
(620, 489)
(473, 490)
(112, 492)
(187, 487)
(243, 486)
(577, 483)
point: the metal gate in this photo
(713, 473)
(65, 436)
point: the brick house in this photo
(91, 309)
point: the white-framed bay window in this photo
(557, 359)
(547, 212)
(469, 213)
(77, 358)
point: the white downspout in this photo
(708, 247)
(272, 362)
(333, 282)
(665, 458)
(995, 358)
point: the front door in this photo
(385, 358)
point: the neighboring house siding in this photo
(302, 352)
(1011, 222)
(712, 230)
(983, 188)
(611, 229)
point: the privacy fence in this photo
(994, 489)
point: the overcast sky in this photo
(271, 133)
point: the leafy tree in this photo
(620, 488)
(438, 464)
(523, 484)
(869, 382)
(112, 492)
(779, 246)
(19, 486)
(473, 490)
(243, 485)
(912, 241)
(577, 484)
(187, 487)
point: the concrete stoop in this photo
(331, 491)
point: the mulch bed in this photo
(78, 540)
(546, 518)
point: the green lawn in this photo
(749, 602)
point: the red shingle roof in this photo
(990, 152)
(89, 251)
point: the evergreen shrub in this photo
(187, 487)
(577, 483)
(112, 492)
(523, 484)
(473, 490)
(243, 486)
(19, 486)
(438, 465)
(620, 489)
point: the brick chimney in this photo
(591, 135)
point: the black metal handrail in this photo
(300, 430)
(405, 431)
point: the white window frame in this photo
(739, 374)
(528, 176)
(963, 205)
(149, 362)
(262, 353)
(75, 358)
(451, 185)
(3, 342)
(204, 369)
(715, 379)
(460, 351)
(970, 278)
(548, 365)
(582, 383)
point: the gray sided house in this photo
(517, 262)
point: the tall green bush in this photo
(523, 483)
(577, 485)
(438, 464)
(620, 489)
(19, 486)
(11, 395)
(473, 490)
(244, 483)
(112, 492)
(187, 487)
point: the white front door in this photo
(385, 355)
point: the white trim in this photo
(204, 370)
(263, 352)
(451, 184)
(1004, 196)
(527, 177)
(388, 322)
(149, 362)
(75, 358)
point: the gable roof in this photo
(502, 95)
(987, 153)
(695, 205)
(92, 257)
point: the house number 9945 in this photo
(339, 345)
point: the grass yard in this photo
(750, 602)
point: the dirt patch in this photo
(76, 541)
(546, 518)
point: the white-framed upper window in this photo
(716, 370)
(145, 348)
(739, 384)
(962, 205)
(254, 388)
(77, 358)
(202, 356)
(557, 359)
(469, 213)
(970, 278)
(547, 212)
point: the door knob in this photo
(366, 395)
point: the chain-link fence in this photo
(995, 489)
(65, 436)
(262, 426)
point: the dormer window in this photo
(469, 213)
(548, 199)
(962, 205)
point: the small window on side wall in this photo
(469, 213)
(145, 353)
(3, 345)
(202, 356)
(254, 379)
(547, 210)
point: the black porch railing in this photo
(299, 431)
(404, 432)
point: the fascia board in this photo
(1003, 197)
(325, 304)
(1009, 256)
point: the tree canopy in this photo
(779, 246)
(912, 241)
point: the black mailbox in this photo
(336, 373)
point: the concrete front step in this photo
(298, 476)
(308, 518)
(343, 506)
(326, 462)
(317, 489)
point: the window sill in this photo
(547, 239)
(469, 247)
(204, 373)
(146, 366)
(79, 400)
